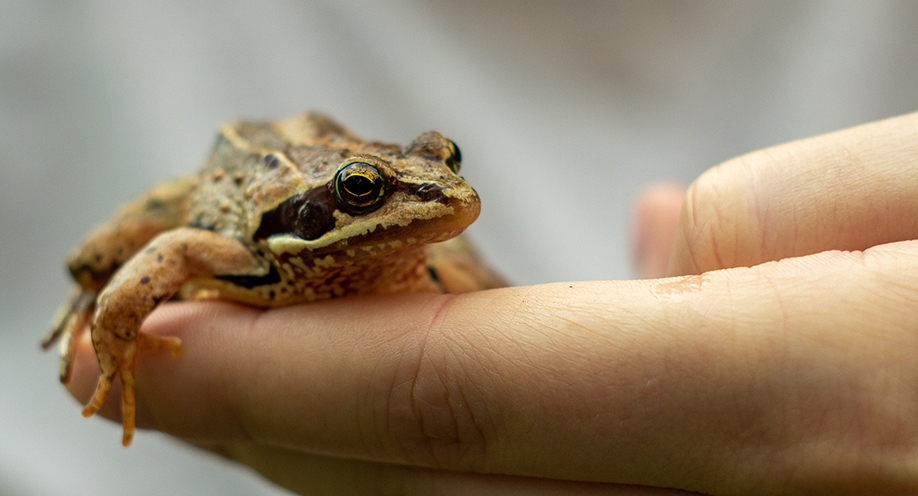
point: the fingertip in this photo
(655, 219)
(84, 371)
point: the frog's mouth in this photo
(419, 216)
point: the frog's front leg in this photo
(153, 275)
(105, 249)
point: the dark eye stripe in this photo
(307, 216)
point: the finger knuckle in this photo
(432, 408)
(721, 217)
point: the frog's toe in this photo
(68, 326)
(98, 396)
(169, 343)
(75, 305)
(118, 361)
(127, 402)
(59, 324)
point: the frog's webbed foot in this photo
(121, 362)
(68, 326)
(150, 277)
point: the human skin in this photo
(777, 360)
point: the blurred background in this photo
(563, 110)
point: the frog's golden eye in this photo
(359, 185)
(454, 160)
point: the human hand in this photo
(773, 375)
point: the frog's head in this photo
(367, 199)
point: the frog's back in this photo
(256, 165)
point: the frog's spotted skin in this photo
(282, 212)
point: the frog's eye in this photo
(359, 185)
(454, 159)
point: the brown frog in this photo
(282, 212)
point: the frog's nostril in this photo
(430, 192)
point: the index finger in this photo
(846, 190)
(770, 377)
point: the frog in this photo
(282, 212)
